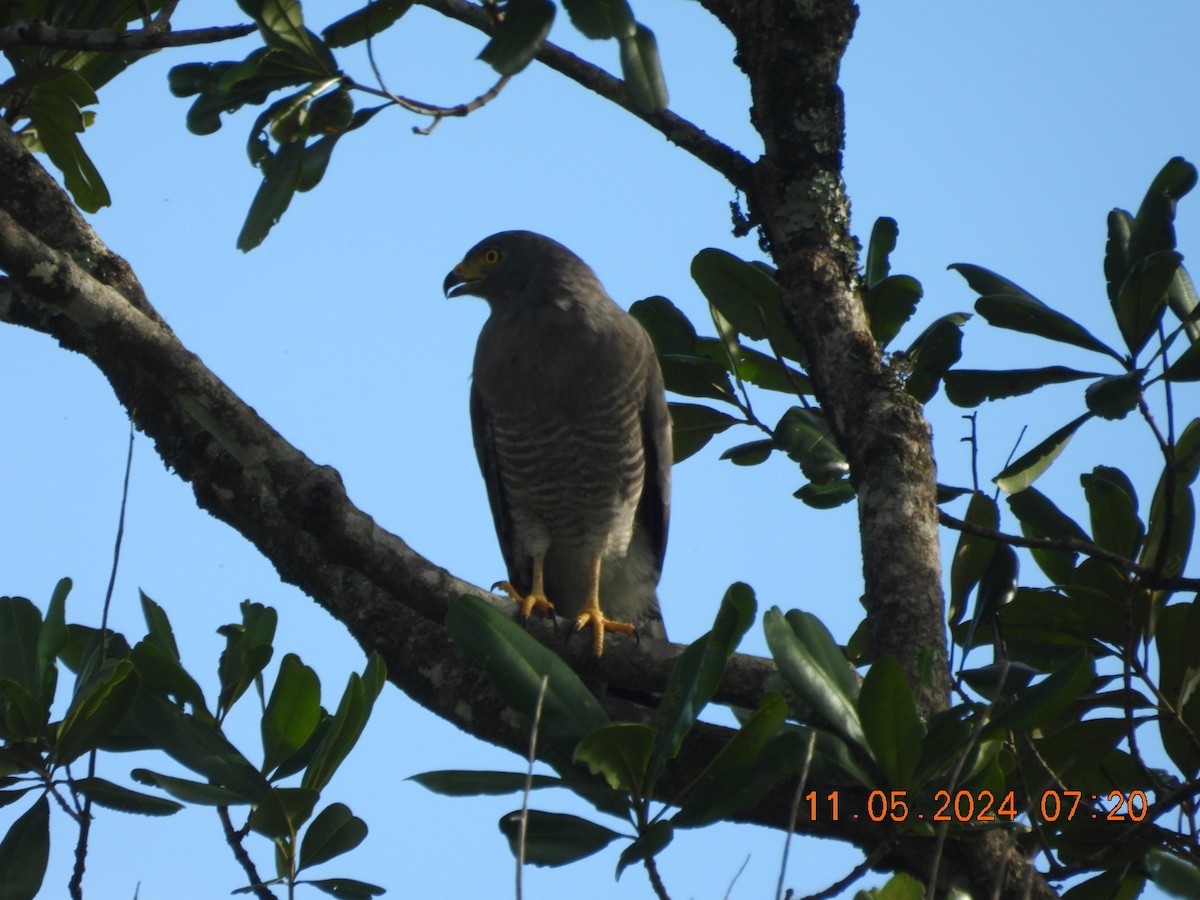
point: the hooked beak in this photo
(460, 280)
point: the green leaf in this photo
(520, 36)
(671, 332)
(158, 627)
(693, 426)
(972, 554)
(932, 354)
(1115, 396)
(1179, 661)
(1173, 875)
(764, 371)
(804, 435)
(970, 387)
(52, 636)
(190, 791)
(1143, 297)
(516, 664)
(642, 71)
(986, 680)
(162, 674)
(1005, 305)
(752, 453)
(997, 587)
(114, 796)
(600, 19)
(883, 241)
(816, 669)
(281, 178)
(247, 651)
(364, 23)
(653, 839)
(830, 495)
(620, 752)
(696, 376)
(25, 852)
(1040, 518)
(1170, 526)
(347, 726)
(96, 711)
(889, 304)
(281, 813)
(54, 109)
(346, 888)
(20, 632)
(555, 839)
(1112, 503)
(1116, 253)
(1187, 367)
(292, 713)
(747, 296)
(1041, 704)
(890, 721)
(1025, 470)
(333, 832)
(468, 783)
(1182, 298)
(697, 674)
(1152, 229)
(281, 24)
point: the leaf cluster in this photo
(141, 697)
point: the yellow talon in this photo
(594, 617)
(534, 600)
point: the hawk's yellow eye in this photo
(491, 256)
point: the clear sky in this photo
(998, 134)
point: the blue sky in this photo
(1000, 135)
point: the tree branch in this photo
(36, 33)
(735, 167)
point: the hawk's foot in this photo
(527, 604)
(592, 616)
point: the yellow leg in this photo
(593, 615)
(536, 598)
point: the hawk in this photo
(572, 434)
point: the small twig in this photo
(234, 838)
(523, 822)
(795, 813)
(85, 814)
(1150, 576)
(35, 33)
(973, 440)
(736, 876)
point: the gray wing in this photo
(520, 571)
(654, 508)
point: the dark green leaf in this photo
(804, 435)
(247, 651)
(333, 832)
(890, 721)
(1179, 659)
(1172, 510)
(1115, 396)
(51, 638)
(1187, 366)
(292, 713)
(346, 888)
(114, 796)
(670, 330)
(1143, 297)
(281, 178)
(20, 632)
(516, 664)
(1031, 316)
(816, 669)
(467, 783)
(53, 107)
(934, 351)
(620, 752)
(162, 674)
(282, 812)
(829, 495)
(600, 19)
(347, 726)
(696, 675)
(767, 372)
(997, 586)
(970, 387)
(696, 376)
(1025, 470)
(1041, 704)
(1173, 875)
(96, 711)
(1113, 506)
(1116, 252)
(1182, 298)
(364, 23)
(693, 426)
(972, 554)
(1153, 228)
(158, 627)
(747, 296)
(879, 248)
(281, 24)
(752, 453)
(1040, 518)
(889, 304)
(999, 679)
(520, 36)
(190, 791)
(654, 838)
(642, 70)
(24, 852)
(555, 839)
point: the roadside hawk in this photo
(572, 434)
